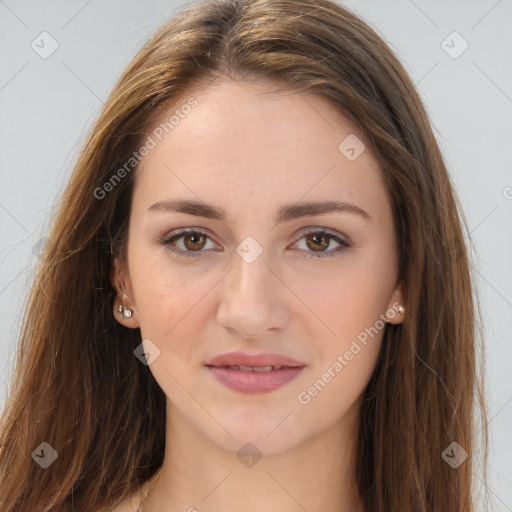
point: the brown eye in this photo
(318, 242)
(323, 244)
(189, 243)
(194, 241)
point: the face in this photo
(259, 271)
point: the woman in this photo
(257, 293)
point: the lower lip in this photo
(254, 382)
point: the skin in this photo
(248, 150)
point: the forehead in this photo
(255, 141)
(232, 113)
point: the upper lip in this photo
(244, 359)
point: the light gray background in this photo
(47, 104)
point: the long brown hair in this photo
(77, 385)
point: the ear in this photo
(121, 282)
(397, 309)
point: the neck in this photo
(198, 475)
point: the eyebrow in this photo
(285, 213)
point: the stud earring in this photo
(127, 313)
(401, 309)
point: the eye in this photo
(193, 242)
(319, 240)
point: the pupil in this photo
(193, 238)
(317, 239)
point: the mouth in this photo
(254, 368)
(254, 373)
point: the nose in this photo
(253, 300)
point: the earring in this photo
(127, 313)
(401, 309)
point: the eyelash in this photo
(168, 240)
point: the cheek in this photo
(166, 298)
(163, 290)
(173, 311)
(346, 305)
(338, 387)
(347, 359)
(344, 300)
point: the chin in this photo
(253, 442)
(272, 433)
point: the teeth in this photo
(262, 368)
(255, 368)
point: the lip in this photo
(254, 381)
